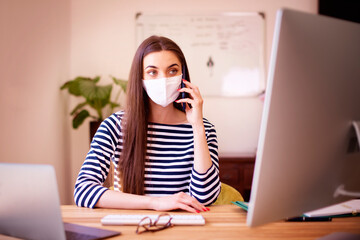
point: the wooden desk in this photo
(222, 222)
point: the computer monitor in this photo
(305, 150)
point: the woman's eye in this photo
(152, 73)
(173, 71)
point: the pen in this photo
(309, 219)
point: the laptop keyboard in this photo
(134, 219)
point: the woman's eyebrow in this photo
(151, 66)
(172, 65)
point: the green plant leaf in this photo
(65, 85)
(97, 97)
(79, 118)
(91, 92)
(78, 107)
(114, 105)
(96, 79)
(73, 86)
(122, 83)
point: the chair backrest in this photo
(227, 195)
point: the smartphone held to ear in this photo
(183, 95)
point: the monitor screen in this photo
(307, 148)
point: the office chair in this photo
(227, 195)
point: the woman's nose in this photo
(163, 74)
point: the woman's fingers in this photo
(190, 203)
(189, 84)
(190, 88)
(194, 98)
(187, 208)
(185, 100)
(179, 200)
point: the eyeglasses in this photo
(163, 221)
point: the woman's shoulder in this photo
(120, 114)
(208, 124)
(115, 118)
(210, 130)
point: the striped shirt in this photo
(169, 163)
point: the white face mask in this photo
(163, 91)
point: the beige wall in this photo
(43, 43)
(34, 61)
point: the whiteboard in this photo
(224, 52)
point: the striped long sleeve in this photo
(105, 147)
(168, 167)
(206, 187)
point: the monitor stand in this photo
(354, 147)
(356, 125)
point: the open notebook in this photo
(350, 208)
(30, 206)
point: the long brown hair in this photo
(132, 160)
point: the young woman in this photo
(165, 157)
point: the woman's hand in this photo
(194, 114)
(179, 200)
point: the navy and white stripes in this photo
(168, 167)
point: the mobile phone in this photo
(184, 94)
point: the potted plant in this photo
(96, 97)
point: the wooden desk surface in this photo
(222, 222)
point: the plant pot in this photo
(94, 125)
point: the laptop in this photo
(30, 206)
